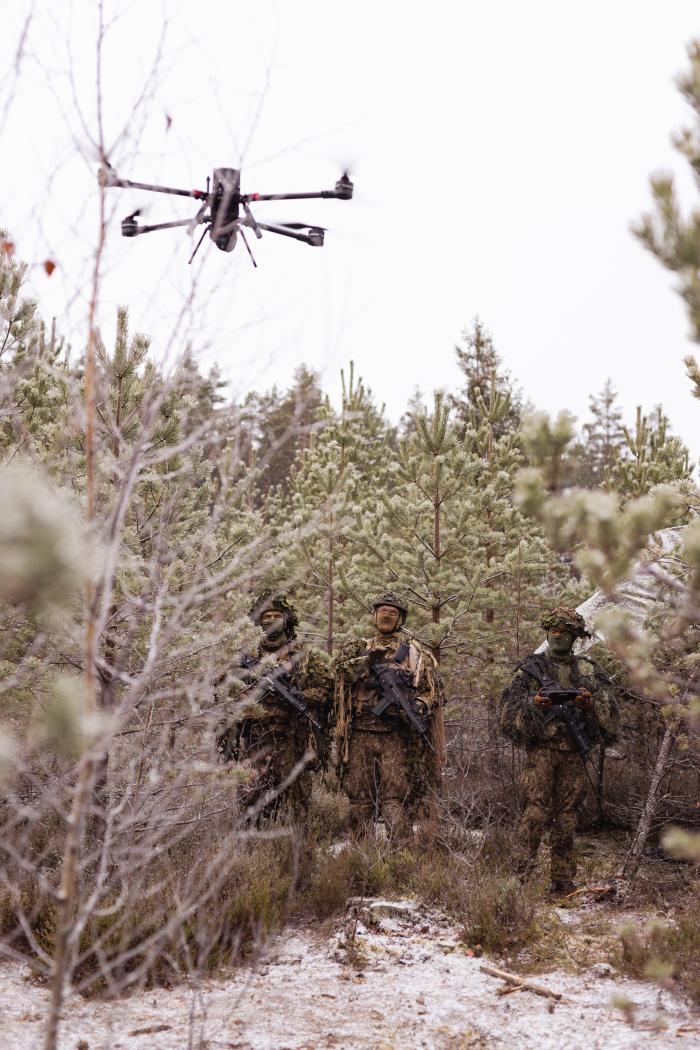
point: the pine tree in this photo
(346, 463)
(424, 537)
(279, 425)
(652, 456)
(37, 386)
(481, 366)
(415, 407)
(673, 239)
(604, 437)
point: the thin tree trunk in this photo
(96, 826)
(633, 858)
(599, 792)
(439, 742)
(65, 920)
(331, 602)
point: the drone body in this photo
(225, 211)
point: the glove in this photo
(584, 700)
(543, 702)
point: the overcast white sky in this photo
(500, 150)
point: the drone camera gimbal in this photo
(225, 211)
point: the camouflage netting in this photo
(635, 596)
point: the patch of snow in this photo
(408, 984)
(602, 969)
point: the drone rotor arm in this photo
(342, 191)
(127, 184)
(253, 198)
(130, 229)
(314, 237)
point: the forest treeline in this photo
(476, 506)
(480, 509)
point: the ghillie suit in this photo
(554, 778)
(386, 770)
(267, 736)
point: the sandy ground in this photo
(406, 982)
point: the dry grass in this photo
(665, 950)
(211, 896)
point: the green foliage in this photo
(589, 460)
(423, 537)
(486, 382)
(200, 505)
(277, 427)
(546, 441)
(42, 550)
(653, 457)
(671, 237)
(662, 951)
(693, 373)
(332, 480)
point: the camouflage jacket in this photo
(525, 723)
(354, 698)
(309, 669)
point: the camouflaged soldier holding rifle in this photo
(557, 706)
(286, 701)
(387, 690)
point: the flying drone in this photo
(225, 211)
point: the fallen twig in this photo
(521, 983)
(598, 891)
(509, 989)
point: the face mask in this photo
(560, 642)
(273, 628)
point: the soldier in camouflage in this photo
(554, 778)
(385, 769)
(267, 737)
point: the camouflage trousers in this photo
(385, 777)
(553, 785)
(271, 750)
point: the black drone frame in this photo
(222, 205)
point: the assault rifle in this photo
(395, 691)
(279, 683)
(276, 682)
(563, 710)
(562, 707)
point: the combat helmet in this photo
(392, 598)
(568, 617)
(272, 600)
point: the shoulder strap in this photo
(532, 665)
(402, 652)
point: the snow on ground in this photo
(405, 983)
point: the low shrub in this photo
(665, 951)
